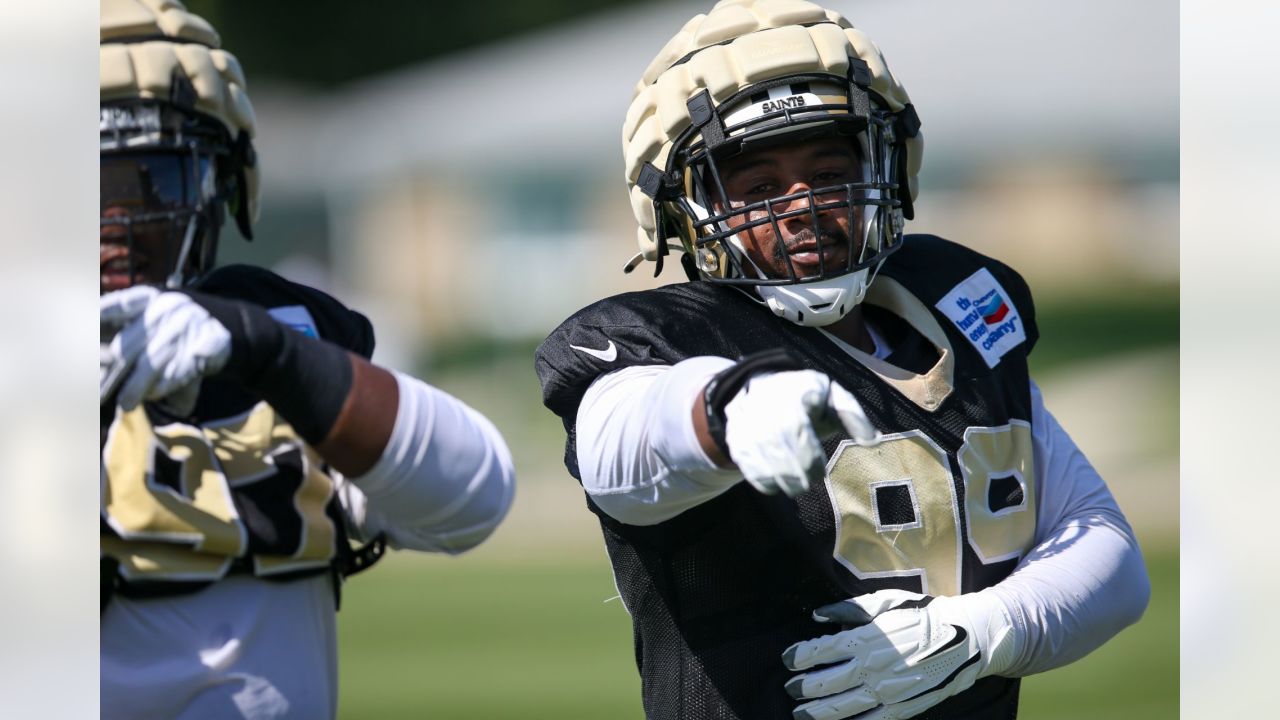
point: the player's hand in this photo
(774, 425)
(905, 653)
(166, 344)
(117, 309)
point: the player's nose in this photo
(800, 207)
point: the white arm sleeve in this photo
(444, 481)
(638, 455)
(1085, 580)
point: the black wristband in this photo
(728, 382)
(304, 379)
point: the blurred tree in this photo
(328, 42)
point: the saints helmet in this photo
(757, 74)
(176, 144)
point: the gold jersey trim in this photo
(929, 389)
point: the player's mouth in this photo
(116, 266)
(811, 257)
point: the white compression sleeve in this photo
(638, 455)
(444, 481)
(1085, 580)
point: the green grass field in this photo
(455, 638)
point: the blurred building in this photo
(483, 194)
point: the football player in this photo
(827, 484)
(247, 439)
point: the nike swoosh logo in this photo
(955, 640)
(608, 354)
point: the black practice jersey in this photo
(232, 488)
(945, 504)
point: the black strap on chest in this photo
(354, 560)
(349, 561)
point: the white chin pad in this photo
(818, 303)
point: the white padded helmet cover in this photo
(737, 44)
(138, 57)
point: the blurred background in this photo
(454, 171)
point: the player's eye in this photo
(763, 187)
(830, 177)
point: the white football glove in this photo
(773, 428)
(908, 653)
(167, 343)
(116, 310)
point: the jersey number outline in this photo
(926, 541)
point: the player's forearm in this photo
(1074, 592)
(359, 434)
(1084, 580)
(445, 479)
(640, 455)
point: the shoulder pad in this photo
(291, 303)
(639, 328)
(950, 278)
